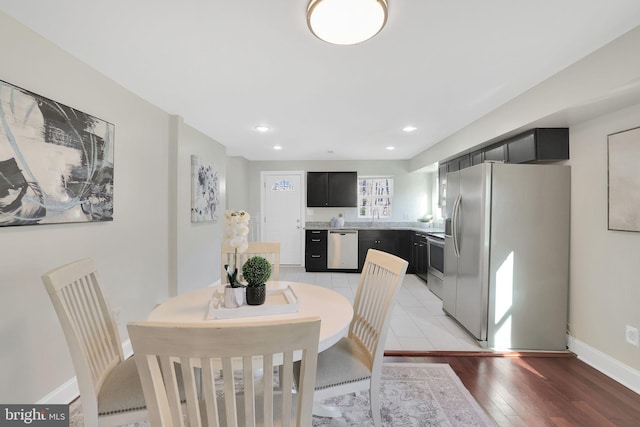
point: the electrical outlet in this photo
(632, 336)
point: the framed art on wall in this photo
(205, 191)
(624, 180)
(56, 162)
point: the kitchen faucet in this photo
(374, 211)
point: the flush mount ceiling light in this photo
(346, 22)
(409, 128)
(262, 128)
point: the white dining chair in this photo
(110, 389)
(238, 395)
(268, 250)
(354, 363)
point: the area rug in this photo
(411, 394)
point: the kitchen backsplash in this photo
(436, 225)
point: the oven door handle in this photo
(436, 242)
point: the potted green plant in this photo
(256, 271)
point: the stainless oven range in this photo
(435, 263)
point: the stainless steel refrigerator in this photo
(506, 272)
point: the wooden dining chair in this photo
(354, 363)
(268, 250)
(110, 389)
(238, 395)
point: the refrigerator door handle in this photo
(456, 213)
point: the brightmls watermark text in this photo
(34, 415)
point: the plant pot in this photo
(256, 294)
(233, 297)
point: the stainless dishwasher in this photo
(342, 250)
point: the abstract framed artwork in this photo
(56, 163)
(205, 191)
(624, 180)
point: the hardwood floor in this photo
(540, 390)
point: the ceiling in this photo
(227, 66)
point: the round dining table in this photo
(334, 309)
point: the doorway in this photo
(282, 208)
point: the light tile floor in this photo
(417, 322)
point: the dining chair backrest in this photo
(268, 250)
(380, 280)
(354, 363)
(94, 343)
(221, 369)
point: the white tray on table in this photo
(277, 301)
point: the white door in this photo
(282, 213)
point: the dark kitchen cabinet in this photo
(497, 152)
(540, 144)
(404, 247)
(535, 145)
(343, 189)
(315, 250)
(477, 157)
(420, 255)
(332, 189)
(464, 161)
(317, 189)
(458, 163)
(382, 240)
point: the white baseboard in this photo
(68, 392)
(625, 375)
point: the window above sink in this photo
(375, 196)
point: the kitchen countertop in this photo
(381, 225)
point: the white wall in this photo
(605, 279)
(198, 244)
(238, 184)
(131, 252)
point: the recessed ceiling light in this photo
(262, 128)
(277, 147)
(390, 148)
(409, 128)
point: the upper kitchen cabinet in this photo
(541, 144)
(317, 189)
(497, 152)
(332, 189)
(458, 163)
(464, 161)
(477, 157)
